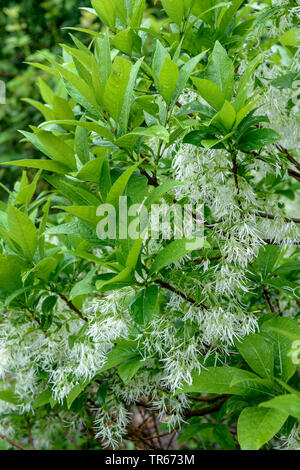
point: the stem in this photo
(72, 307)
(30, 434)
(289, 156)
(209, 399)
(152, 180)
(12, 443)
(204, 411)
(184, 296)
(272, 217)
(235, 175)
(268, 299)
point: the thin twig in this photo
(156, 430)
(30, 434)
(208, 399)
(272, 217)
(204, 411)
(236, 180)
(289, 156)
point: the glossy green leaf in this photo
(228, 380)
(258, 138)
(168, 79)
(128, 370)
(289, 404)
(258, 353)
(145, 305)
(278, 330)
(257, 426)
(209, 91)
(174, 10)
(174, 251)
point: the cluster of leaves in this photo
(26, 28)
(107, 131)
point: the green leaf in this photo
(158, 192)
(257, 138)
(258, 354)
(49, 304)
(81, 91)
(153, 131)
(83, 287)
(224, 437)
(102, 393)
(122, 279)
(128, 96)
(11, 268)
(220, 70)
(266, 260)
(174, 251)
(47, 112)
(42, 399)
(74, 393)
(134, 253)
(46, 321)
(248, 72)
(85, 213)
(168, 79)
(128, 370)
(210, 92)
(95, 259)
(145, 305)
(229, 14)
(242, 113)
(256, 426)
(184, 75)
(197, 137)
(22, 231)
(136, 15)
(158, 59)
(57, 149)
(285, 81)
(82, 144)
(291, 38)
(225, 118)
(89, 126)
(289, 404)
(27, 189)
(116, 87)
(106, 10)
(73, 191)
(45, 268)
(119, 186)
(118, 355)
(91, 171)
(124, 41)
(174, 10)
